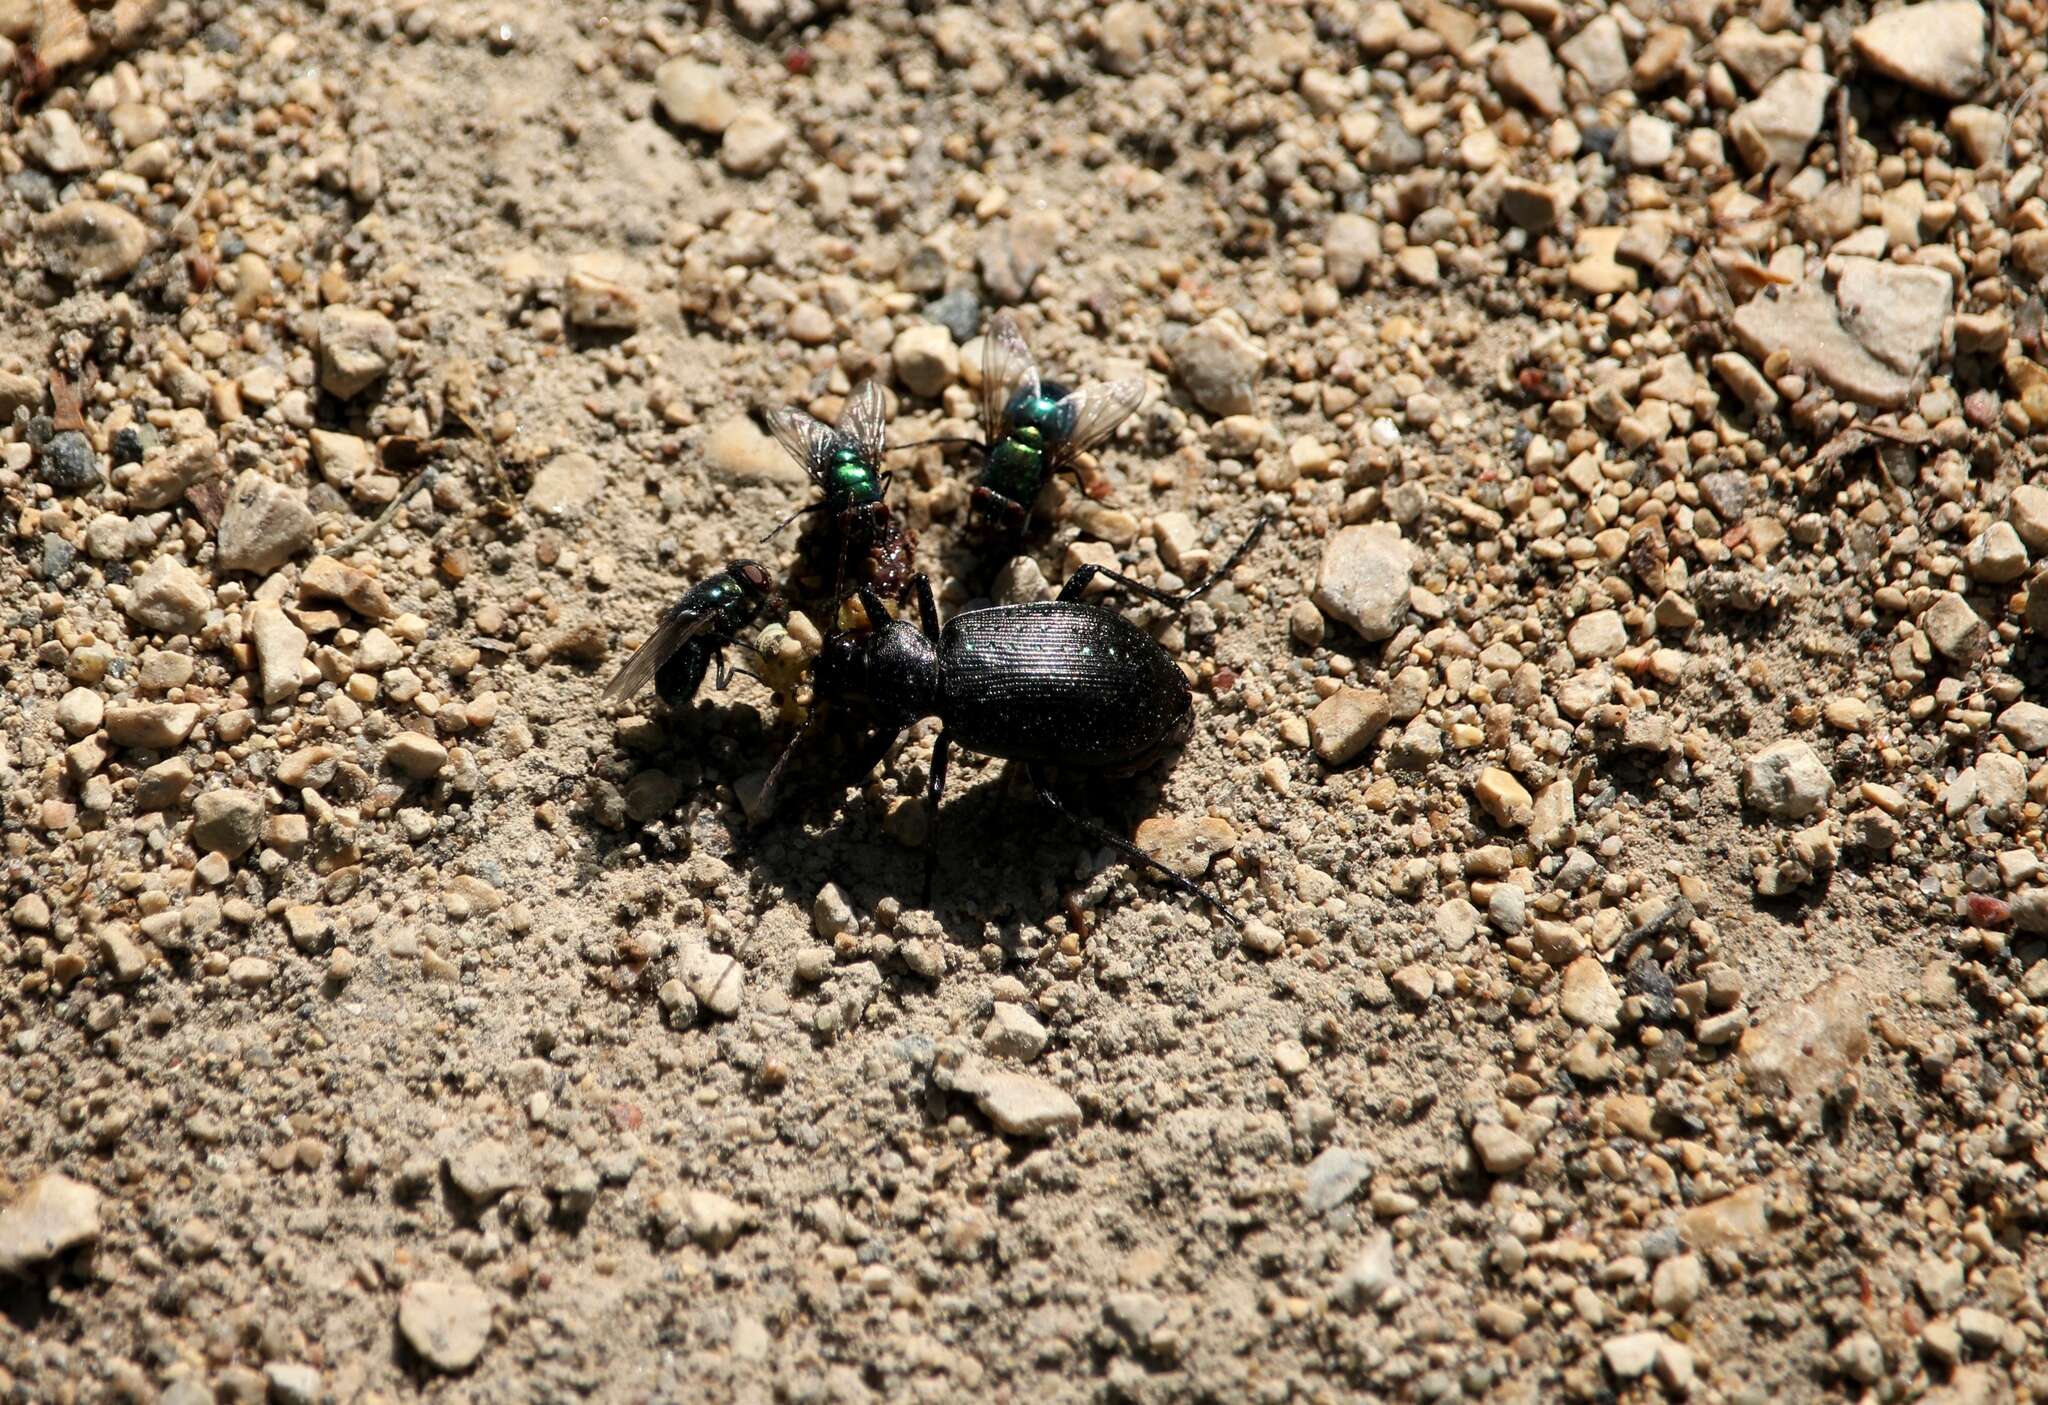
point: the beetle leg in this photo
(1132, 853)
(871, 604)
(765, 805)
(927, 608)
(940, 749)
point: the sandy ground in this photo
(1620, 751)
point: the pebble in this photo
(169, 599)
(694, 95)
(1954, 629)
(1805, 1048)
(739, 449)
(1501, 1151)
(226, 822)
(447, 1323)
(1805, 324)
(52, 1216)
(598, 296)
(68, 463)
(1013, 252)
(292, 1383)
(1218, 365)
(357, 346)
(79, 712)
(1776, 127)
(1344, 724)
(263, 526)
(753, 143)
(1504, 798)
(1369, 1280)
(1896, 311)
(328, 579)
(2025, 725)
(280, 650)
(1013, 1032)
(1787, 779)
(566, 485)
(1351, 245)
(1588, 997)
(156, 726)
(959, 312)
(713, 1221)
(485, 1169)
(925, 358)
(55, 141)
(1597, 635)
(1940, 47)
(1333, 1177)
(416, 755)
(1525, 73)
(1677, 1284)
(832, 912)
(1186, 846)
(1364, 579)
(1598, 55)
(1996, 555)
(1019, 1104)
(1632, 1354)
(342, 458)
(91, 240)
(717, 980)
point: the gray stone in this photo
(448, 1324)
(1805, 322)
(1941, 47)
(1364, 579)
(263, 526)
(1013, 252)
(168, 598)
(280, 649)
(1776, 127)
(1895, 310)
(1333, 1177)
(357, 345)
(91, 241)
(1787, 779)
(1013, 1032)
(1953, 628)
(227, 822)
(694, 95)
(2025, 725)
(53, 1215)
(1525, 73)
(486, 1169)
(754, 142)
(68, 463)
(1596, 53)
(1351, 245)
(1755, 56)
(1219, 366)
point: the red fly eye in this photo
(755, 576)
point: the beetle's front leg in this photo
(928, 614)
(941, 749)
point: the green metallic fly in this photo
(859, 534)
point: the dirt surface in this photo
(1621, 753)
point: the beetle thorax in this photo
(895, 669)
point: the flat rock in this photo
(1776, 127)
(1525, 73)
(486, 1169)
(448, 1324)
(1735, 1218)
(91, 241)
(1805, 1048)
(738, 449)
(1187, 846)
(1333, 1177)
(1013, 1032)
(566, 485)
(156, 726)
(1895, 310)
(1501, 1151)
(328, 579)
(1019, 1104)
(1588, 997)
(1364, 579)
(1941, 47)
(1805, 322)
(1345, 723)
(280, 649)
(1218, 364)
(263, 526)
(53, 1215)
(357, 345)
(1597, 54)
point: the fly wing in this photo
(1006, 368)
(810, 440)
(862, 421)
(1095, 411)
(678, 627)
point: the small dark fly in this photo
(694, 633)
(1032, 428)
(859, 540)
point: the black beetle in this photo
(694, 632)
(1059, 683)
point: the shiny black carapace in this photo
(694, 633)
(858, 540)
(1063, 684)
(1032, 429)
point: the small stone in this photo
(1536, 206)
(1364, 579)
(1219, 366)
(328, 579)
(598, 296)
(341, 458)
(1023, 1106)
(1596, 53)
(1013, 1033)
(569, 483)
(91, 241)
(810, 325)
(717, 980)
(280, 649)
(1501, 1152)
(1860, 1357)
(1677, 1284)
(832, 912)
(1996, 555)
(292, 1383)
(68, 463)
(1598, 269)
(357, 345)
(1588, 997)
(80, 711)
(1418, 264)
(1186, 846)
(1954, 629)
(713, 1221)
(754, 142)
(1776, 127)
(1940, 47)
(1333, 1177)
(1370, 1280)
(1787, 779)
(2027, 509)
(1505, 798)
(1128, 30)
(738, 449)
(486, 1169)
(694, 95)
(1633, 1354)
(264, 525)
(1805, 322)
(1979, 132)
(227, 822)
(1646, 142)
(1597, 635)
(1735, 1218)
(1351, 245)
(958, 311)
(416, 755)
(925, 358)
(1896, 311)
(55, 142)
(52, 1216)
(154, 726)
(2025, 725)
(1754, 56)
(1940, 1283)
(448, 1324)
(1013, 252)
(1805, 1048)
(1525, 73)
(168, 599)
(1345, 723)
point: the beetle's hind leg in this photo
(1132, 853)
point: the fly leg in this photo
(1131, 852)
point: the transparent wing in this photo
(1006, 367)
(677, 628)
(1097, 411)
(862, 421)
(809, 439)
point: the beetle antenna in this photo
(1244, 547)
(942, 439)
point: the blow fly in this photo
(860, 541)
(694, 633)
